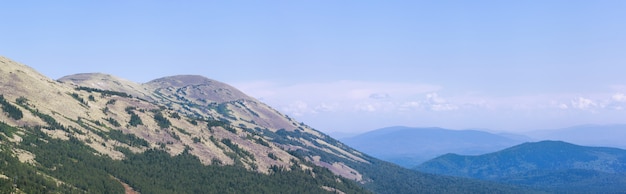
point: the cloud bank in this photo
(345, 103)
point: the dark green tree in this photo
(10, 109)
(135, 120)
(161, 120)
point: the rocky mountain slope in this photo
(553, 165)
(409, 147)
(142, 136)
(201, 98)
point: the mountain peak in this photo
(107, 82)
(12, 70)
(198, 87)
(184, 80)
(18, 80)
(94, 80)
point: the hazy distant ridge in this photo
(588, 135)
(408, 146)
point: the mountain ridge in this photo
(88, 112)
(554, 165)
(227, 103)
(409, 146)
(129, 124)
(588, 135)
(107, 82)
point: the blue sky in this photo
(347, 66)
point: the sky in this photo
(352, 66)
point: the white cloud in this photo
(312, 98)
(595, 103)
(345, 89)
(477, 105)
(380, 96)
(324, 107)
(434, 98)
(443, 107)
(617, 101)
(411, 105)
(404, 103)
(366, 107)
(437, 103)
(297, 108)
(619, 97)
(386, 97)
(583, 103)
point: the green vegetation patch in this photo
(130, 139)
(161, 120)
(113, 122)
(104, 92)
(78, 98)
(7, 129)
(154, 171)
(52, 123)
(135, 120)
(10, 109)
(238, 150)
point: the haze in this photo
(352, 66)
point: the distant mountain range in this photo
(588, 135)
(409, 146)
(552, 165)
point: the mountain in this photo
(588, 135)
(409, 147)
(552, 165)
(96, 133)
(108, 82)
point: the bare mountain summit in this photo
(108, 82)
(199, 88)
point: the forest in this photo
(153, 171)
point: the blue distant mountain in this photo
(408, 147)
(587, 135)
(553, 165)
